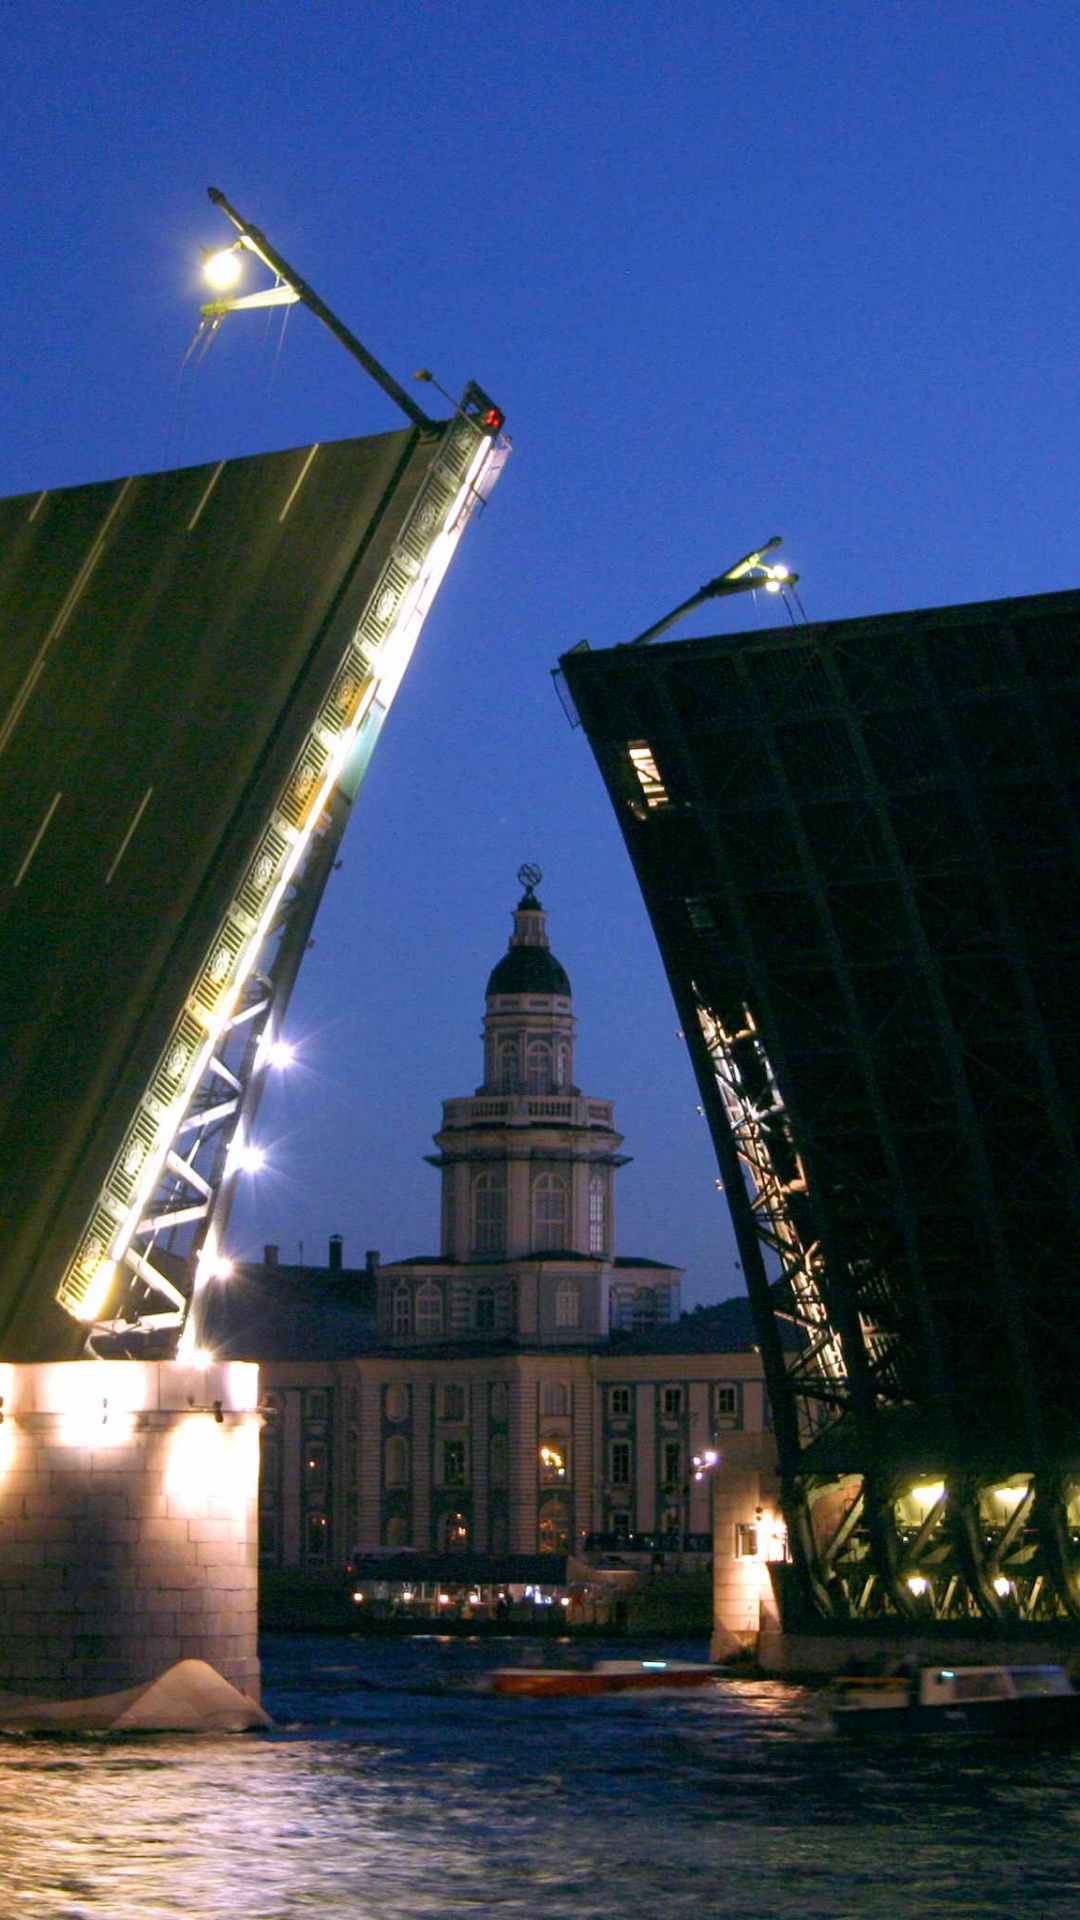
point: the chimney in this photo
(270, 1256)
(336, 1245)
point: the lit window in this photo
(746, 1542)
(403, 1307)
(554, 1527)
(554, 1460)
(489, 1213)
(620, 1463)
(315, 1466)
(455, 1464)
(671, 1402)
(550, 1211)
(597, 1197)
(643, 761)
(454, 1533)
(484, 1310)
(429, 1309)
(568, 1304)
(620, 1401)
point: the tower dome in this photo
(529, 966)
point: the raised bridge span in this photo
(195, 667)
(859, 846)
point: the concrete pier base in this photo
(128, 1510)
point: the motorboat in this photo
(1013, 1700)
(604, 1676)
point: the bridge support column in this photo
(128, 1512)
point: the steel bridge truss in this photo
(949, 1549)
(153, 1242)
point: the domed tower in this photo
(528, 1161)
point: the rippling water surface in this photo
(393, 1788)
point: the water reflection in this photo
(392, 1788)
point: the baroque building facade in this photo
(527, 1390)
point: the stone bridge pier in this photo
(128, 1511)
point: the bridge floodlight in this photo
(222, 269)
(747, 574)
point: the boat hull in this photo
(1039, 1718)
(552, 1682)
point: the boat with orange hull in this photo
(605, 1676)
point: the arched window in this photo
(489, 1212)
(550, 1210)
(553, 1398)
(396, 1461)
(568, 1304)
(554, 1527)
(429, 1309)
(597, 1212)
(484, 1310)
(403, 1307)
(454, 1533)
(498, 1468)
(562, 1065)
(397, 1402)
(538, 1067)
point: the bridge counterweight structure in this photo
(199, 666)
(859, 846)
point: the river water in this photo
(392, 1788)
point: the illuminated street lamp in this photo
(223, 268)
(747, 574)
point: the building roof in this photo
(727, 1327)
(291, 1313)
(529, 970)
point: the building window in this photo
(484, 1310)
(645, 1310)
(619, 1403)
(315, 1467)
(562, 1067)
(449, 1214)
(453, 1402)
(671, 1402)
(568, 1304)
(554, 1460)
(268, 1534)
(397, 1403)
(554, 1399)
(620, 1463)
(318, 1538)
(498, 1400)
(498, 1460)
(398, 1531)
(455, 1463)
(726, 1401)
(508, 1067)
(396, 1461)
(499, 1533)
(429, 1309)
(317, 1404)
(538, 1067)
(550, 1210)
(672, 1463)
(672, 1527)
(746, 1542)
(597, 1212)
(489, 1213)
(620, 1525)
(554, 1527)
(454, 1533)
(402, 1307)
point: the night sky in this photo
(731, 271)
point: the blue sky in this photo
(730, 271)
